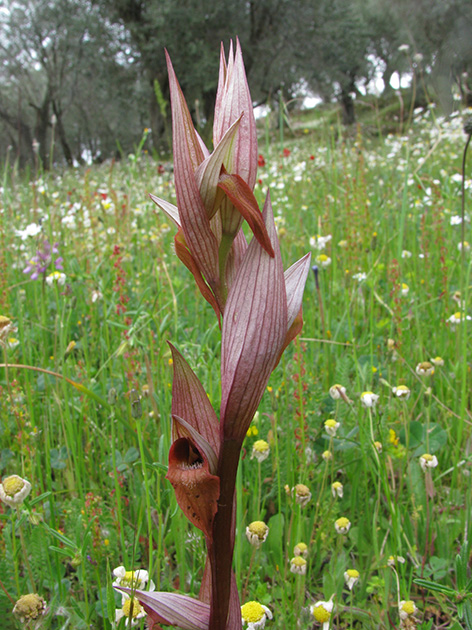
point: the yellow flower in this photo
(14, 490)
(331, 427)
(256, 533)
(131, 610)
(302, 494)
(255, 615)
(321, 611)
(342, 525)
(260, 450)
(29, 607)
(300, 549)
(298, 565)
(425, 368)
(351, 576)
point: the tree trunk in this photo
(347, 104)
(62, 135)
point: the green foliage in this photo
(100, 498)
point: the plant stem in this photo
(221, 547)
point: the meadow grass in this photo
(86, 416)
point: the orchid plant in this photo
(259, 310)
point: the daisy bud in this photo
(260, 450)
(342, 525)
(428, 461)
(256, 533)
(298, 565)
(425, 368)
(331, 426)
(302, 494)
(337, 489)
(351, 576)
(369, 399)
(401, 391)
(327, 456)
(300, 549)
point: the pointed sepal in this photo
(173, 609)
(254, 329)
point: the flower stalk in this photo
(258, 307)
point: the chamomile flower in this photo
(298, 565)
(337, 489)
(406, 254)
(321, 611)
(133, 579)
(457, 319)
(342, 525)
(320, 242)
(302, 494)
(437, 361)
(323, 261)
(369, 399)
(378, 446)
(428, 461)
(425, 368)
(56, 277)
(255, 615)
(351, 576)
(327, 455)
(393, 560)
(406, 609)
(337, 392)
(260, 450)
(401, 391)
(29, 608)
(404, 289)
(331, 426)
(300, 549)
(14, 490)
(256, 533)
(131, 610)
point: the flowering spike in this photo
(173, 609)
(196, 489)
(254, 329)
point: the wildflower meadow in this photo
(344, 457)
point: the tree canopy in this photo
(82, 79)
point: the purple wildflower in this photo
(39, 264)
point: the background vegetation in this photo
(96, 452)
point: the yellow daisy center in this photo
(408, 607)
(298, 561)
(342, 522)
(12, 485)
(259, 528)
(252, 612)
(427, 457)
(131, 607)
(321, 614)
(352, 573)
(260, 446)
